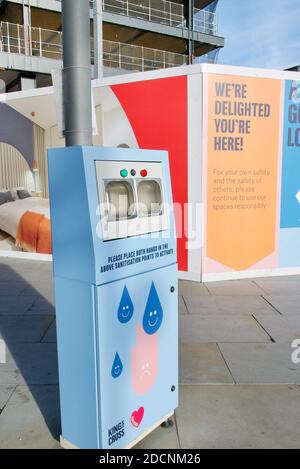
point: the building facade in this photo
(138, 35)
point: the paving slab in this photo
(30, 364)
(31, 276)
(5, 393)
(227, 305)
(6, 273)
(12, 288)
(182, 306)
(195, 328)
(239, 416)
(25, 328)
(202, 364)
(47, 266)
(161, 438)
(285, 304)
(234, 287)
(281, 328)
(214, 412)
(41, 288)
(30, 420)
(261, 363)
(42, 306)
(50, 336)
(23, 265)
(28, 271)
(12, 304)
(192, 288)
(280, 285)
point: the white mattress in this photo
(11, 213)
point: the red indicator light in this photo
(144, 173)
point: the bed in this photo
(28, 222)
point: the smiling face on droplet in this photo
(125, 310)
(153, 314)
(125, 313)
(116, 371)
(117, 367)
(153, 319)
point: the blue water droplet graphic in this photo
(126, 308)
(153, 314)
(117, 367)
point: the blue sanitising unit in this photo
(114, 250)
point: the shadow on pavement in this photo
(27, 326)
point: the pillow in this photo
(14, 192)
(5, 197)
(23, 194)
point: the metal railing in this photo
(209, 58)
(18, 39)
(161, 11)
(137, 58)
(205, 22)
(158, 11)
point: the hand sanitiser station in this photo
(115, 269)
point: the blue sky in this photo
(260, 33)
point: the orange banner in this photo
(242, 164)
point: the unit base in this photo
(150, 430)
(65, 444)
(68, 445)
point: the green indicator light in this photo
(124, 173)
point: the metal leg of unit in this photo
(167, 424)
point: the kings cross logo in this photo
(116, 432)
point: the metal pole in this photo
(8, 38)
(77, 72)
(26, 26)
(19, 41)
(189, 15)
(98, 39)
(40, 39)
